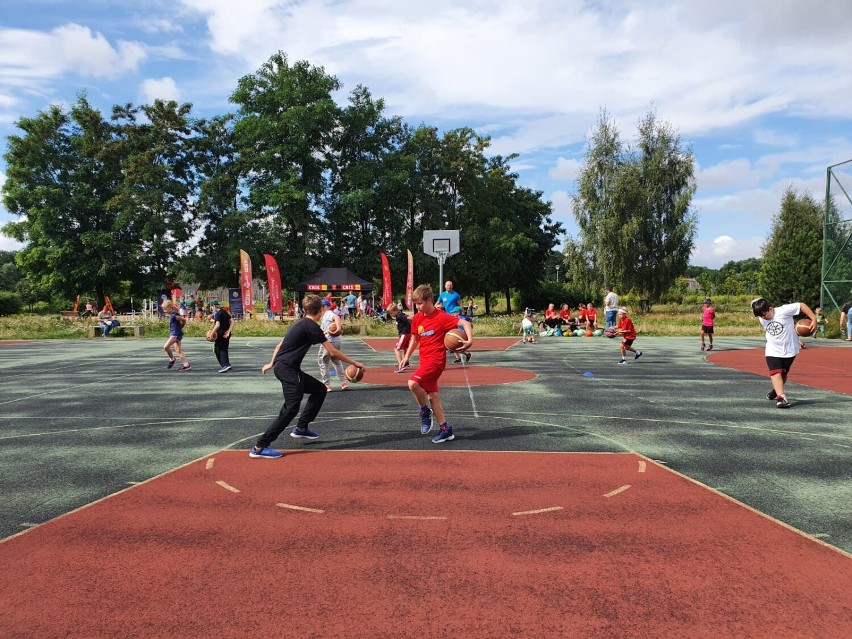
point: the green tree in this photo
(792, 254)
(632, 207)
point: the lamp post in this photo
(557, 273)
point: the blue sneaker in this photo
(303, 433)
(265, 453)
(171, 363)
(446, 435)
(425, 420)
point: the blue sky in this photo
(760, 90)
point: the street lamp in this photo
(557, 273)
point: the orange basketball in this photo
(453, 339)
(333, 330)
(211, 335)
(354, 374)
(805, 328)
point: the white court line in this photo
(301, 508)
(227, 486)
(418, 517)
(210, 463)
(617, 491)
(642, 466)
(469, 389)
(537, 512)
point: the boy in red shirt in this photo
(627, 331)
(428, 328)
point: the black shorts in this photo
(707, 330)
(779, 364)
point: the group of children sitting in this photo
(559, 322)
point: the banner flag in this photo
(387, 295)
(245, 281)
(409, 283)
(273, 277)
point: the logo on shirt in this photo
(774, 329)
(423, 333)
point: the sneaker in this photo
(622, 361)
(457, 360)
(404, 366)
(303, 433)
(224, 369)
(344, 385)
(186, 367)
(171, 363)
(702, 347)
(267, 453)
(425, 420)
(328, 388)
(637, 355)
(466, 357)
(710, 348)
(782, 402)
(446, 435)
(772, 395)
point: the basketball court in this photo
(580, 498)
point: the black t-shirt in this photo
(847, 308)
(224, 320)
(403, 324)
(303, 334)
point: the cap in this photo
(325, 302)
(622, 310)
(707, 300)
(215, 303)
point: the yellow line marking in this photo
(227, 486)
(302, 508)
(210, 463)
(417, 517)
(617, 491)
(642, 466)
(537, 512)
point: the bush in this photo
(10, 303)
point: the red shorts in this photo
(402, 342)
(627, 342)
(427, 375)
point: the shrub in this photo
(10, 303)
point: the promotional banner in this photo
(273, 277)
(245, 281)
(409, 283)
(387, 297)
(235, 301)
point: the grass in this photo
(672, 322)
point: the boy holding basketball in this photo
(625, 328)
(429, 327)
(295, 383)
(782, 342)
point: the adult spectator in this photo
(90, 310)
(362, 305)
(450, 299)
(350, 301)
(846, 318)
(610, 307)
(107, 320)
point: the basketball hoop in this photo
(441, 245)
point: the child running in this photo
(625, 328)
(708, 316)
(295, 383)
(331, 324)
(176, 324)
(403, 329)
(429, 326)
(782, 342)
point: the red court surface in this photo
(457, 544)
(479, 343)
(826, 368)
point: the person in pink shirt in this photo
(708, 315)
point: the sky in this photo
(759, 90)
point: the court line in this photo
(469, 389)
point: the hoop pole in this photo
(442, 257)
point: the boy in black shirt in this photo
(403, 329)
(286, 361)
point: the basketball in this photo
(354, 374)
(334, 330)
(609, 332)
(453, 339)
(211, 335)
(805, 328)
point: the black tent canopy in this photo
(332, 280)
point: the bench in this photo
(69, 314)
(138, 331)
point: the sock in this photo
(445, 426)
(423, 410)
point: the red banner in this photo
(245, 281)
(409, 283)
(387, 296)
(273, 279)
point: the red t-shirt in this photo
(592, 315)
(430, 330)
(625, 324)
(566, 314)
(548, 314)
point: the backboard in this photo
(440, 243)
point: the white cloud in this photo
(724, 249)
(162, 89)
(776, 138)
(567, 169)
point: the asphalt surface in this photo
(81, 420)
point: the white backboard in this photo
(440, 243)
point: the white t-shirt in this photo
(781, 337)
(611, 301)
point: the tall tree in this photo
(792, 254)
(632, 208)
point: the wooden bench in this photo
(138, 331)
(69, 314)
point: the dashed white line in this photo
(210, 463)
(227, 486)
(641, 466)
(617, 491)
(418, 517)
(537, 512)
(302, 508)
